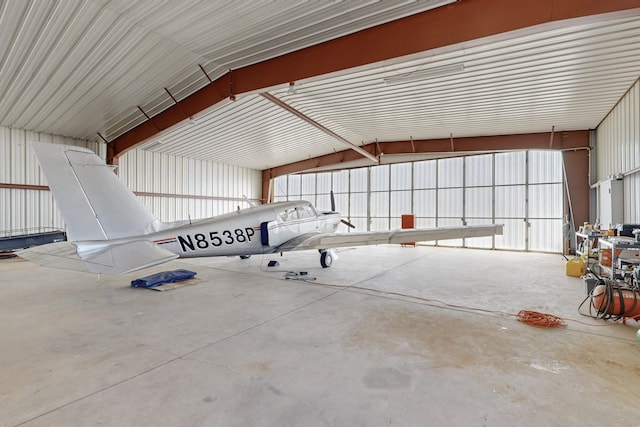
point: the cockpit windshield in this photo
(305, 211)
(298, 212)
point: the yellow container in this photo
(576, 267)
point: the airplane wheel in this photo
(245, 256)
(326, 259)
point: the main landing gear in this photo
(327, 256)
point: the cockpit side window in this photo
(287, 215)
(305, 211)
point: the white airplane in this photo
(111, 232)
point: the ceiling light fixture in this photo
(292, 89)
(424, 74)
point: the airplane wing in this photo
(363, 238)
(112, 259)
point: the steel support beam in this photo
(576, 164)
(458, 22)
(24, 187)
(572, 140)
(137, 193)
(280, 103)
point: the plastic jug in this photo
(576, 267)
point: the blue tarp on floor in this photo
(162, 278)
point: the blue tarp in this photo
(162, 278)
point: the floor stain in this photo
(386, 378)
(425, 335)
(483, 346)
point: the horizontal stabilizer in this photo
(331, 240)
(111, 259)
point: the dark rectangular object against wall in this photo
(23, 241)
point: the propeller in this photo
(347, 223)
(333, 209)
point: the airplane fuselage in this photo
(255, 230)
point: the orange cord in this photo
(533, 318)
(539, 320)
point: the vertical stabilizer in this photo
(94, 202)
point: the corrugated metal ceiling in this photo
(75, 68)
(566, 78)
(569, 79)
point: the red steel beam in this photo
(24, 187)
(560, 141)
(571, 140)
(137, 193)
(576, 164)
(444, 26)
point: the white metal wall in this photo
(23, 209)
(618, 150)
(522, 190)
(187, 188)
(632, 193)
(181, 188)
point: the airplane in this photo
(111, 232)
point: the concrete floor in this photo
(246, 348)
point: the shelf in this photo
(585, 245)
(613, 250)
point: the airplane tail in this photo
(94, 203)
(97, 209)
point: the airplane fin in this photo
(111, 259)
(94, 202)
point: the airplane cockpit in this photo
(306, 211)
(287, 215)
(302, 211)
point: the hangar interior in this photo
(455, 112)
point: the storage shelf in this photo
(588, 241)
(612, 271)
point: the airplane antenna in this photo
(249, 202)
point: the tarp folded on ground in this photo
(162, 278)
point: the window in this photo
(522, 190)
(287, 215)
(305, 211)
